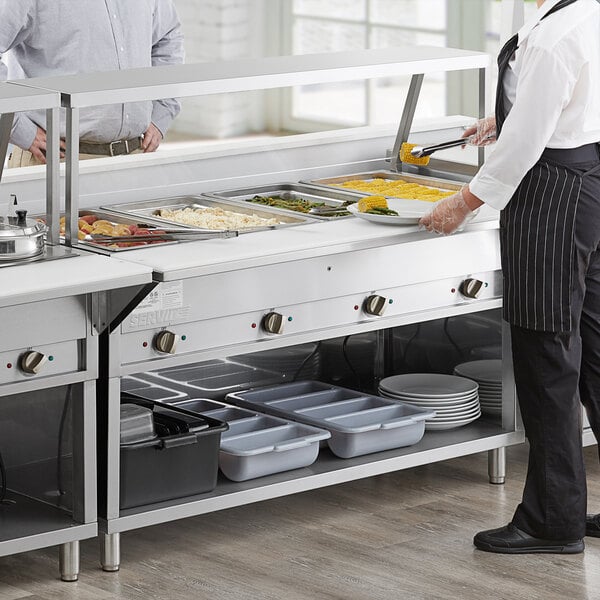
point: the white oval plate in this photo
(409, 212)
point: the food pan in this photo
(317, 199)
(256, 445)
(140, 388)
(214, 380)
(359, 423)
(150, 209)
(434, 182)
(119, 219)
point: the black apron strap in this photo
(504, 58)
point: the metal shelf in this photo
(134, 85)
(30, 524)
(328, 470)
(15, 98)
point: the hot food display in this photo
(214, 218)
(296, 197)
(111, 232)
(211, 214)
(393, 185)
(396, 189)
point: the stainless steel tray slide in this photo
(256, 445)
(434, 182)
(330, 198)
(150, 209)
(359, 423)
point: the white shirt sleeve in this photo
(544, 87)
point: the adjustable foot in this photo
(68, 560)
(111, 552)
(497, 465)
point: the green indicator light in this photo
(485, 285)
(290, 318)
(51, 358)
(183, 338)
(391, 301)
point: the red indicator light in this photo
(356, 307)
(9, 366)
(453, 290)
(253, 325)
(145, 344)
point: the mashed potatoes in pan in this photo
(215, 218)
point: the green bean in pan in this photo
(297, 204)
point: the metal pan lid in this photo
(19, 228)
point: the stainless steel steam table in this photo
(315, 277)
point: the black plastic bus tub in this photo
(182, 461)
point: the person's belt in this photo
(115, 148)
(571, 156)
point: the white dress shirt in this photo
(552, 88)
(41, 38)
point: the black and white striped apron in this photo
(537, 228)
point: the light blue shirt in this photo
(41, 38)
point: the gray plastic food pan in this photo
(256, 445)
(360, 425)
(201, 405)
(215, 380)
(267, 451)
(141, 388)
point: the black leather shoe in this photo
(592, 525)
(511, 540)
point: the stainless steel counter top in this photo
(74, 276)
(194, 259)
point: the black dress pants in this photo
(556, 373)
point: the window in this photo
(339, 25)
(312, 26)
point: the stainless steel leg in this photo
(68, 560)
(111, 552)
(497, 465)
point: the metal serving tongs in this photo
(328, 211)
(167, 235)
(422, 151)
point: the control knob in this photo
(471, 288)
(273, 323)
(375, 305)
(32, 362)
(166, 341)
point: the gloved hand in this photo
(449, 215)
(483, 133)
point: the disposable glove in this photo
(483, 133)
(449, 215)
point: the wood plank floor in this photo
(406, 535)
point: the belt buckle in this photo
(112, 150)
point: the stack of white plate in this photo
(454, 399)
(488, 374)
